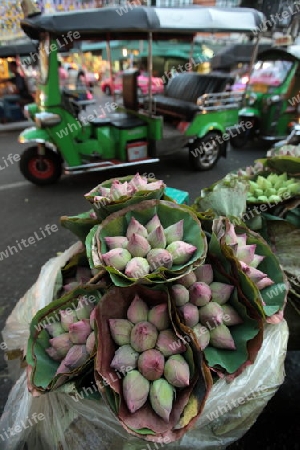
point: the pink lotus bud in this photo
(93, 215)
(151, 364)
(177, 371)
(188, 280)
(104, 191)
(137, 268)
(137, 183)
(80, 331)
(157, 238)
(117, 258)
(117, 190)
(174, 232)
(135, 390)
(102, 200)
(161, 398)
(256, 261)
(54, 354)
(137, 311)
(83, 274)
(220, 337)
(154, 185)
(116, 242)
(120, 330)
(220, 292)
(180, 294)
(246, 253)
(200, 293)
(169, 344)
(254, 274)
(92, 319)
(153, 224)
(158, 257)
(137, 228)
(67, 317)
(125, 356)
(159, 317)
(190, 314)
(61, 344)
(84, 308)
(181, 252)
(90, 343)
(211, 314)
(54, 329)
(143, 336)
(138, 245)
(202, 335)
(76, 357)
(241, 239)
(231, 237)
(230, 316)
(205, 274)
(265, 282)
(71, 286)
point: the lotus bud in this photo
(137, 183)
(211, 314)
(154, 185)
(93, 215)
(256, 261)
(159, 317)
(80, 331)
(169, 344)
(254, 274)
(125, 356)
(135, 390)
(54, 354)
(138, 245)
(137, 311)
(76, 357)
(117, 258)
(143, 336)
(181, 251)
(151, 364)
(84, 308)
(180, 294)
(105, 191)
(118, 190)
(67, 317)
(83, 274)
(265, 282)
(177, 371)
(137, 268)
(161, 398)
(188, 280)
(61, 344)
(116, 242)
(200, 293)
(71, 286)
(202, 335)
(54, 329)
(230, 316)
(220, 292)
(174, 232)
(220, 337)
(158, 257)
(231, 237)
(241, 239)
(190, 314)
(137, 228)
(157, 238)
(120, 330)
(153, 224)
(92, 319)
(99, 200)
(90, 343)
(246, 253)
(205, 274)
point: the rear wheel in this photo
(204, 153)
(41, 169)
(240, 141)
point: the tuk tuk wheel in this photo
(239, 141)
(204, 153)
(41, 169)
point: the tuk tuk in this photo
(195, 110)
(272, 97)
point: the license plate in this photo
(260, 88)
(137, 150)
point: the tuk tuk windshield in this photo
(270, 73)
(44, 50)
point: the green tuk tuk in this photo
(193, 112)
(272, 100)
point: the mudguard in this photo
(34, 134)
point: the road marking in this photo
(14, 185)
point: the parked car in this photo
(108, 84)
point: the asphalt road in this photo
(26, 209)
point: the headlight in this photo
(252, 99)
(45, 119)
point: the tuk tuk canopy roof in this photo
(25, 49)
(235, 54)
(275, 53)
(125, 21)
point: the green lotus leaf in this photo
(79, 225)
(168, 213)
(289, 164)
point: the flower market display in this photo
(157, 315)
